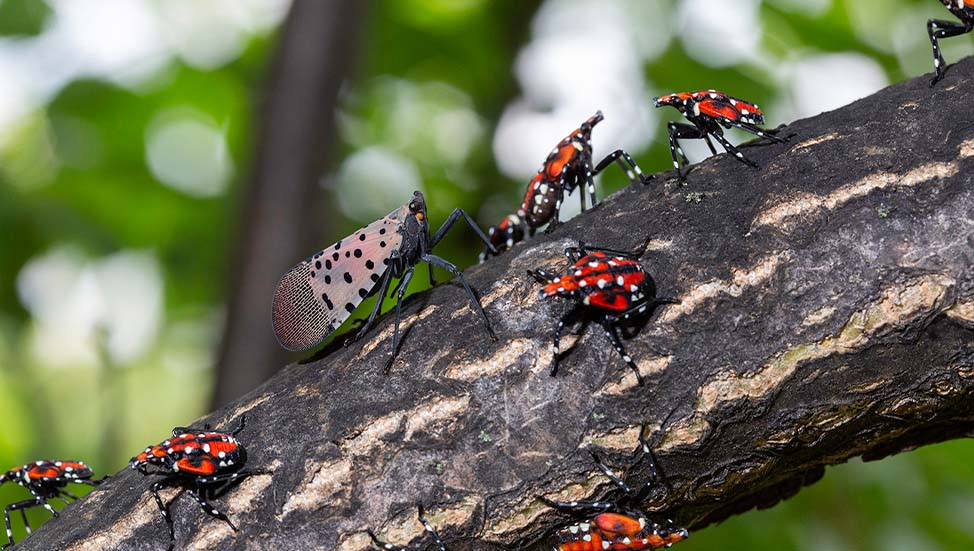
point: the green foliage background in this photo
(74, 177)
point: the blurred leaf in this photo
(23, 17)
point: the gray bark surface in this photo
(827, 312)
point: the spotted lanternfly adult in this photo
(938, 28)
(612, 286)
(44, 480)
(204, 462)
(504, 235)
(621, 526)
(708, 110)
(426, 526)
(568, 166)
(317, 295)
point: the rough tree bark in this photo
(827, 312)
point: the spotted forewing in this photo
(317, 295)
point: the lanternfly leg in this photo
(589, 180)
(163, 508)
(612, 476)
(429, 529)
(433, 259)
(937, 28)
(426, 526)
(578, 506)
(19, 506)
(395, 334)
(555, 351)
(761, 133)
(383, 287)
(454, 216)
(679, 131)
(209, 509)
(646, 452)
(610, 332)
(733, 150)
(625, 162)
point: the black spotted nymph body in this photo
(317, 295)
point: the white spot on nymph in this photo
(585, 526)
(633, 288)
(626, 540)
(578, 273)
(582, 283)
(745, 112)
(602, 283)
(206, 448)
(587, 537)
(620, 280)
(696, 108)
(593, 264)
(585, 300)
(543, 189)
(573, 529)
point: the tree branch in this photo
(827, 312)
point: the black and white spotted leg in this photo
(384, 545)
(395, 334)
(452, 219)
(645, 452)
(218, 482)
(733, 150)
(426, 526)
(21, 506)
(23, 515)
(625, 162)
(710, 144)
(589, 179)
(448, 266)
(610, 332)
(618, 481)
(209, 509)
(757, 131)
(556, 341)
(429, 529)
(578, 507)
(938, 28)
(163, 508)
(679, 131)
(383, 287)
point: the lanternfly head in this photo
(592, 121)
(417, 207)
